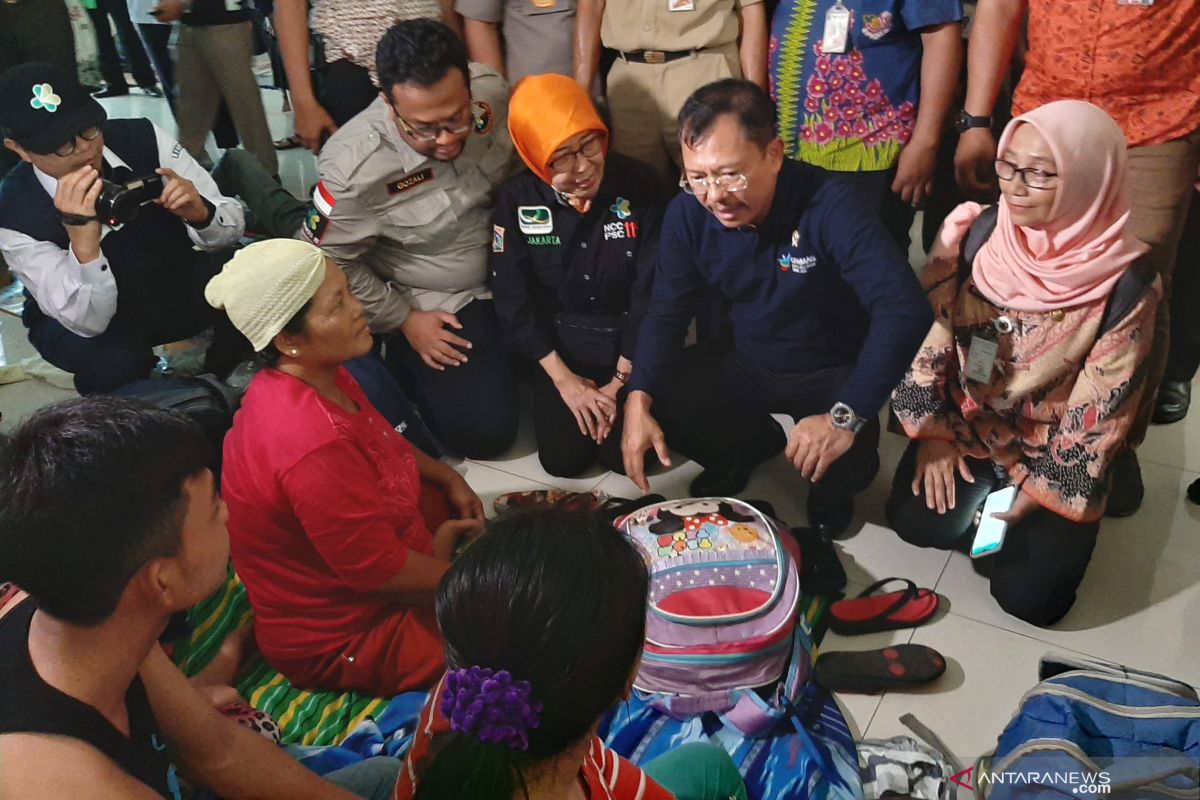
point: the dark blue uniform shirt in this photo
(819, 284)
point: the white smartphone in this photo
(989, 536)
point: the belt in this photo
(655, 56)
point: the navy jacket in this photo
(819, 284)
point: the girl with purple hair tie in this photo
(543, 621)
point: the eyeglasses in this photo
(1033, 178)
(726, 183)
(88, 135)
(589, 149)
(460, 123)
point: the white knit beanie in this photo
(265, 284)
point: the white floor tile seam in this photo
(1024, 634)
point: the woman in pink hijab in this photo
(1031, 374)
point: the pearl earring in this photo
(295, 352)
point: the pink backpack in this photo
(721, 621)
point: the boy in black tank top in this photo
(111, 521)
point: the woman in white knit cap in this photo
(339, 529)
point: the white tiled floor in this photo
(1139, 603)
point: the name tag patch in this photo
(409, 181)
(543, 241)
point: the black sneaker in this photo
(1172, 403)
(1127, 490)
(111, 91)
(830, 521)
(821, 571)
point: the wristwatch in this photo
(965, 121)
(843, 417)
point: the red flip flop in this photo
(871, 613)
(897, 667)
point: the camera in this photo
(119, 203)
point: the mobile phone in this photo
(989, 536)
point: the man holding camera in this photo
(113, 229)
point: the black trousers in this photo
(1034, 575)
(562, 449)
(876, 193)
(715, 407)
(123, 353)
(472, 409)
(33, 30)
(110, 62)
(1184, 358)
(344, 89)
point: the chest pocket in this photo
(422, 219)
(535, 8)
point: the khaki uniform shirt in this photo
(539, 35)
(411, 232)
(631, 25)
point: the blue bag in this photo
(1095, 729)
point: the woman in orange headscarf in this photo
(573, 250)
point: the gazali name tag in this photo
(409, 181)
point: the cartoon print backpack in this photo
(721, 620)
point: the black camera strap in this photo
(76, 219)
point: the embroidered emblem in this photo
(44, 98)
(497, 239)
(484, 116)
(620, 230)
(621, 208)
(314, 225)
(535, 219)
(876, 27)
(409, 181)
(797, 264)
(543, 241)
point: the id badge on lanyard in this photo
(981, 357)
(837, 29)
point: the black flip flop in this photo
(873, 671)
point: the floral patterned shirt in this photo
(1058, 406)
(852, 111)
(1140, 63)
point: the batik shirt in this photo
(852, 111)
(1059, 402)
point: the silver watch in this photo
(843, 417)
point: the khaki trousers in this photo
(1161, 177)
(214, 62)
(644, 101)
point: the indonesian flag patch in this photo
(323, 199)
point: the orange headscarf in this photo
(544, 112)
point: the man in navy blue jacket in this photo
(827, 315)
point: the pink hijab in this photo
(1084, 247)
